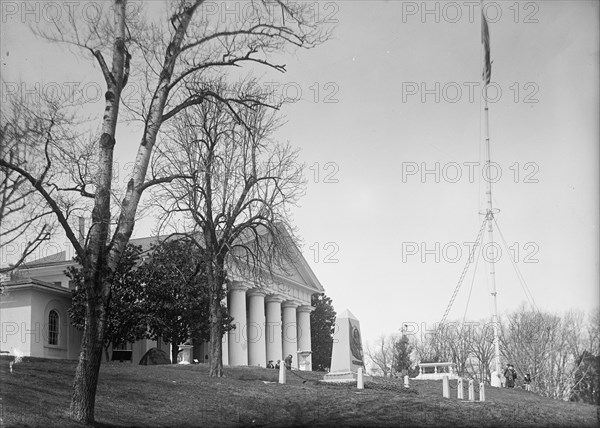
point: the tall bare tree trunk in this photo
(216, 336)
(215, 284)
(90, 358)
(100, 262)
(96, 267)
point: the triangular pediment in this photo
(298, 271)
(289, 270)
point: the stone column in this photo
(238, 355)
(225, 349)
(289, 331)
(304, 344)
(273, 327)
(257, 352)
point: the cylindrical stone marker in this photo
(459, 389)
(471, 390)
(359, 379)
(406, 381)
(282, 373)
(481, 391)
(445, 387)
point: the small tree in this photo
(175, 294)
(402, 350)
(322, 328)
(125, 315)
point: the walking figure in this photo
(288, 362)
(511, 375)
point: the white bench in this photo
(439, 371)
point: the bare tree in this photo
(170, 61)
(592, 341)
(236, 196)
(434, 346)
(546, 346)
(456, 338)
(381, 354)
(481, 350)
(526, 341)
(29, 132)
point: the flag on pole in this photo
(485, 40)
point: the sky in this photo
(388, 115)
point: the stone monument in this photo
(303, 360)
(185, 353)
(347, 354)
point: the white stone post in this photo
(273, 327)
(460, 390)
(257, 352)
(303, 313)
(359, 379)
(406, 381)
(238, 347)
(282, 373)
(289, 330)
(445, 387)
(481, 391)
(471, 390)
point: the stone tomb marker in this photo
(347, 354)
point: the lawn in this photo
(38, 392)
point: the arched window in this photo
(53, 328)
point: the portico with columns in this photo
(271, 321)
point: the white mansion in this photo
(271, 321)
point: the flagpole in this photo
(489, 211)
(489, 215)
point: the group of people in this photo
(510, 375)
(287, 362)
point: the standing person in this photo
(288, 362)
(527, 382)
(510, 374)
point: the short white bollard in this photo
(459, 389)
(445, 387)
(481, 391)
(406, 382)
(359, 379)
(282, 373)
(471, 390)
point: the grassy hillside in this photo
(38, 392)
